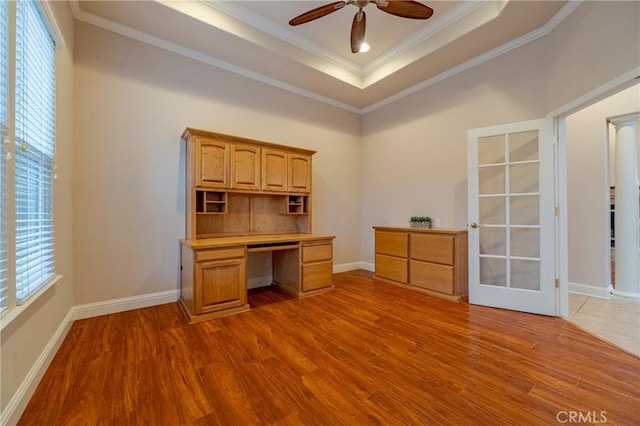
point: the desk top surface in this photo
(245, 240)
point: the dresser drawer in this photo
(432, 276)
(432, 248)
(392, 268)
(392, 243)
(317, 252)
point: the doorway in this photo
(590, 146)
(591, 167)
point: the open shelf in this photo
(297, 204)
(211, 202)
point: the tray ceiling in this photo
(253, 38)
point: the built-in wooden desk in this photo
(213, 270)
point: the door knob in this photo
(475, 225)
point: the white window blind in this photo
(34, 149)
(4, 89)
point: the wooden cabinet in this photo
(243, 196)
(317, 266)
(299, 173)
(211, 163)
(240, 186)
(431, 260)
(245, 167)
(286, 172)
(213, 282)
(306, 271)
(240, 164)
(274, 170)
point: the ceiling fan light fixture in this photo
(405, 9)
(364, 47)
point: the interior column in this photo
(627, 217)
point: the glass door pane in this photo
(509, 210)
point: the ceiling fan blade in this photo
(405, 9)
(357, 30)
(316, 13)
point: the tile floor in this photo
(612, 320)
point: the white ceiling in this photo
(253, 38)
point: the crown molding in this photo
(126, 31)
(437, 25)
(494, 53)
(277, 30)
(50, 17)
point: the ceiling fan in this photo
(404, 9)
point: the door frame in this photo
(559, 115)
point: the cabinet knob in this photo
(475, 225)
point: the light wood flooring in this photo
(368, 353)
(613, 320)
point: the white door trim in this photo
(560, 114)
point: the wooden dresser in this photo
(244, 196)
(432, 260)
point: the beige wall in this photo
(125, 161)
(415, 150)
(587, 168)
(26, 337)
(132, 103)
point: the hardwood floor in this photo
(366, 353)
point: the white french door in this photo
(511, 217)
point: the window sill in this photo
(9, 316)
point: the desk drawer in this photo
(316, 275)
(217, 254)
(317, 252)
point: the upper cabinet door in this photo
(299, 173)
(274, 170)
(245, 167)
(212, 160)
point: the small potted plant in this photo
(420, 222)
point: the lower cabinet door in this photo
(432, 276)
(220, 285)
(316, 275)
(391, 268)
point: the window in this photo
(34, 148)
(4, 76)
(27, 117)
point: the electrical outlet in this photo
(268, 262)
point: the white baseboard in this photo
(590, 290)
(258, 282)
(368, 266)
(20, 399)
(346, 267)
(90, 310)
